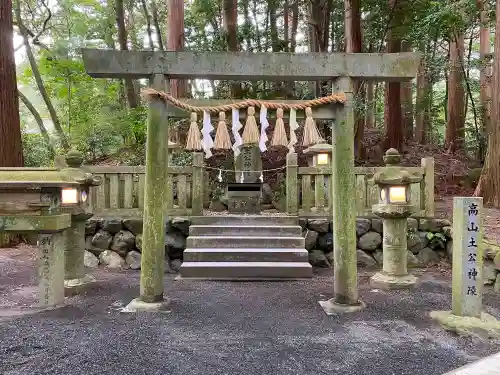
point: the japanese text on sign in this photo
(471, 255)
(45, 242)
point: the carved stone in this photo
(248, 160)
(244, 198)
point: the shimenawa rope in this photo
(333, 98)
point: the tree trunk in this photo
(313, 42)
(38, 119)
(489, 182)
(38, 79)
(394, 134)
(230, 22)
(370, 105)
(455, 128)
(469, 98)
(247, 25)
(273, 26)
(353, 44)
(295, 25)
(286, 26)
(289, 85)
(156, 22)
(319, 36)
(147, 16)
(11, 152)
(291, 22)
(276, 43)
(407, 99)
(133, 100)
(485, 67)
(130, 26)
(324, 27)
(422, 104)
(45, 95)
(175, 41)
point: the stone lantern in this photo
(78, 206)
(394, 207)
(32, 200)
(319, 155)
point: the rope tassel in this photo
(251, 131)
(311, 133)
(279, 136)
(222, 139)
(194, 136)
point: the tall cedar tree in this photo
(11, 153)
(394, 133)
(489, 182)
(175, 41)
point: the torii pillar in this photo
(339, 67)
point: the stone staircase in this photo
(245, 248)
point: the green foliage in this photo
(182, 159)
(97, 140)
(36, 151)
(436, 240)
(94, 112)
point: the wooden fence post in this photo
(428, 191)
(197, 183)
(292, 195)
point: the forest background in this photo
(49, 104)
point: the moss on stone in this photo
(36, 177)
(486, 326)
(44, 223)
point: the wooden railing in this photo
(122, 192)
(309, 189)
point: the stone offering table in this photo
(244, 198)
(244, 195)
(31, 200)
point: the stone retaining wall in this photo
(117, 243)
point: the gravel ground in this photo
(228, 328)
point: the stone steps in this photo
(246, 270)
(245, 247)
(246, 231)
(242, 242)
(247, 220)
(246, 255)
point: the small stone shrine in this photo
(244, 194)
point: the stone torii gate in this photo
(340, 68)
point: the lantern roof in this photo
(35, 178)
(393, 173)
(320, 148)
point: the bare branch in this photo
(44, 25)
